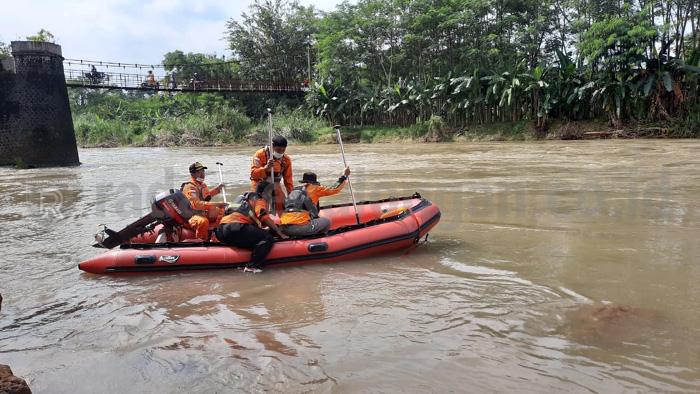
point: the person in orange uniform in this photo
(282, 163)
(300, 217)
(199, 196)
(242, 226)
(151, 78)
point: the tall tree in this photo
(206, 66)
(272, 41)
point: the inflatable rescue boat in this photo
(384, 225)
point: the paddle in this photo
(221, 180)
(342, 150)
(272, 173)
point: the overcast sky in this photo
(128, 31)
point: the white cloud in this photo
(134, 31)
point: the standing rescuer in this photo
(242, 226)
(262, 166)
(199, 195)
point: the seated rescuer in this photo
(199, 196)
(300, 217)
(243, 222)
(263, 164)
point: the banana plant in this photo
(369, 98)
(440, 95)
(612, 94)
(397, 101)
(467, 93)
(328, 100)
(572, 88)
(542, 100)
(660, 82)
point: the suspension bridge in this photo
(121, 76)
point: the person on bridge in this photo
(199, 195)
(151, 78)
(195, 82)
(173, 82)
(263, 163)
(94, 76)
(243, 224)
(300, 217)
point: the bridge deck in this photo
(130, 81)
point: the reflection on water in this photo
(556, 267)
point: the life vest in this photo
(283, 164)
(298, 200)
(244, 204)
(199, 190)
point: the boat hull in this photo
(387, 225)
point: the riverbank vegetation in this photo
(429, 70)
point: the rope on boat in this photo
(415, 245)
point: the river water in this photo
(565, 267)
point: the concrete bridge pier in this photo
(36, 126)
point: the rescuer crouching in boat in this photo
(300, 217)
(242, 225)
(199, 196)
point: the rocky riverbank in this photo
(11, 384)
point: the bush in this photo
(688, 126)
(296, 125)
(436, 126)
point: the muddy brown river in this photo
(557, 267)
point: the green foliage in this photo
(112, 119)
(388, 134)
(19, 163)
(688, 126)
(297, 125)
(272, 42)
(328, 100)
(5, 51)
(379, 64)
(207, 67)
(42, 36)
(436, 126)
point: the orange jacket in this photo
(197, 192)
(314, 192)
(283, 169)
(260, 206)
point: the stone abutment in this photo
(36, 126)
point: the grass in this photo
(687, 127)
(373, 134)
(230, 126)
(225, 126)
(523, 130)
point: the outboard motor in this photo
(170, 208)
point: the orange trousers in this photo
(279, 198)
(201, 224)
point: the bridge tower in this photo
(36, 126)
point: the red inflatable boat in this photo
(385, 225)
